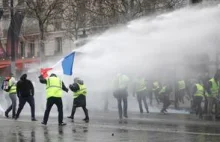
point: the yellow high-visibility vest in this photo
(82, 91)
(200, 90)
(141, 85)
(54, 87)
(121, 82)
(13, 87)
(156, 86)
(214, 89)
(181, 84)
(163, 90)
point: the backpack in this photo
(5, 85)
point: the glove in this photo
(70, 86)
(41, 76)
(67, 90)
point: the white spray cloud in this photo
(143, 45)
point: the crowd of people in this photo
(196, 91)
(202, 89)
(24, 91)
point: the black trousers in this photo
(156, 94)
(166, 102)
(150, 95)
(80, 102)
(181, 94)
(50, 102)
(205, 105)
(22, 101)
(197, 100)
(141, 96)
(121, 96)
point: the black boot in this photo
(87, 116)
(6, 115)
(70, 117)
(16, 117)
(33, 119)
(86, 120)
(62, 124)
(43, 123)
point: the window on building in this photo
(5, 3)
(22, 49)
(58, 48)
(57, 24)
(31, 49)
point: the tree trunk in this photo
(76, 34)
(42, 49)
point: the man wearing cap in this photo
(54, 88)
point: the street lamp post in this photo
(23, 65)
(13, 69)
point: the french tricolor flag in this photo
(67, 65)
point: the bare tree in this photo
(122, 11)
(44, 11)
(76, 16)
(80, 14)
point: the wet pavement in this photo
(104, 127)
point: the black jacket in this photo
(25, 87)
(75, 87)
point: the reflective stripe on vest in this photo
(181, 84)
(82, 91)
(54, 87)
(13, 87)
(141, 85)
(214, 88)
(163, 90)
(200, 90)
(156, 86)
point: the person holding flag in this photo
(54, 88)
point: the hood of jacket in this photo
(80, 82)
(23, 77)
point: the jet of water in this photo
(150, 46)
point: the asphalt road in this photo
(104, 127)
